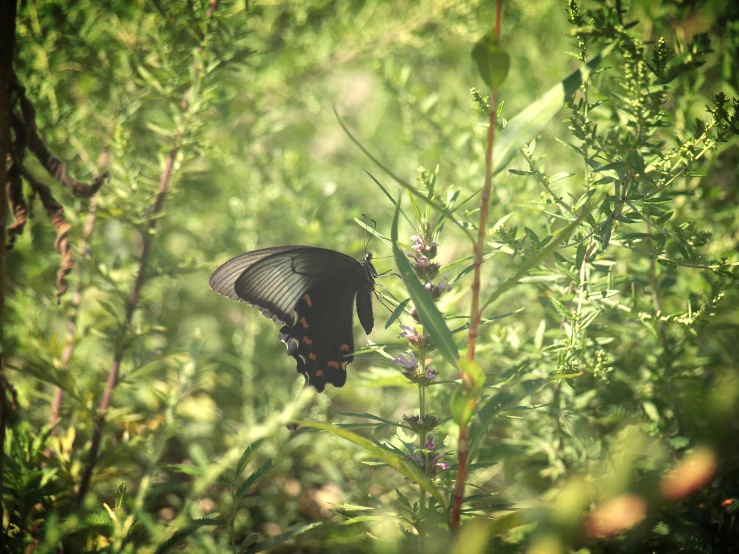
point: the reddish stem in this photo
(133, 299)
(463, 443)
(68, 351)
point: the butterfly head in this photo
(369, 270)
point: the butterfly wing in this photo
(311, 292)
(273, 279)
(322, 339)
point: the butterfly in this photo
(311, 292)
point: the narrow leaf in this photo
(396, 313)
(433, 321)
(252, 479)
(393, 460)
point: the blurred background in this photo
(260, 160)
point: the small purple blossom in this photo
(408, 362)
(410, 333)
(423, 248)
(427, 458)
(419, 261)
(431, 373)
(417, 243)
(441, 465)
(440, 288)
(443, 285)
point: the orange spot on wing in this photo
(308, 301)
(335, 365)
(343, 365)
(303, 322)
(306, 340)
(345, 348)
(312, 356)
(319, 372)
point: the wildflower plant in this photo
(559, 366)
(622, 201)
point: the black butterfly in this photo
(311, 292)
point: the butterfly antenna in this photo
(369, 233)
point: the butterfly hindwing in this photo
(321, 340)
(311, 292)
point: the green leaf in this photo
(252, 479)
(531, 120)
(466, 394)
(559, 176)
(182, 534)
(396, 313)
(504, 399)
(580, 256)
(492, 61)
(186, 469)
(393, 460)
(433, 321)
(384, 190)
(245, 457)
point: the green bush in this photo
(596, 408)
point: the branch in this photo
(52, 164)
(463, 443)
(133, 298)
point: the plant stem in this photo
(475, 315)
(463, 442)
(164, 184)
(422, 498)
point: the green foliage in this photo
(607, 348)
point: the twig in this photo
(76, 297)
(133, 299)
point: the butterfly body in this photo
(311, 292)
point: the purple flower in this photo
(442, 285)
(431, 373)
(430, 444)
(410, 333)
(422, 248)
(441, 465)
(419, 261)
(408, 362)
(440, 288)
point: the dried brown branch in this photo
(68, 351)
(15, 186)
(52, 164)
(17, 206)
(56, 214)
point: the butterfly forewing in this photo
(311, 292)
